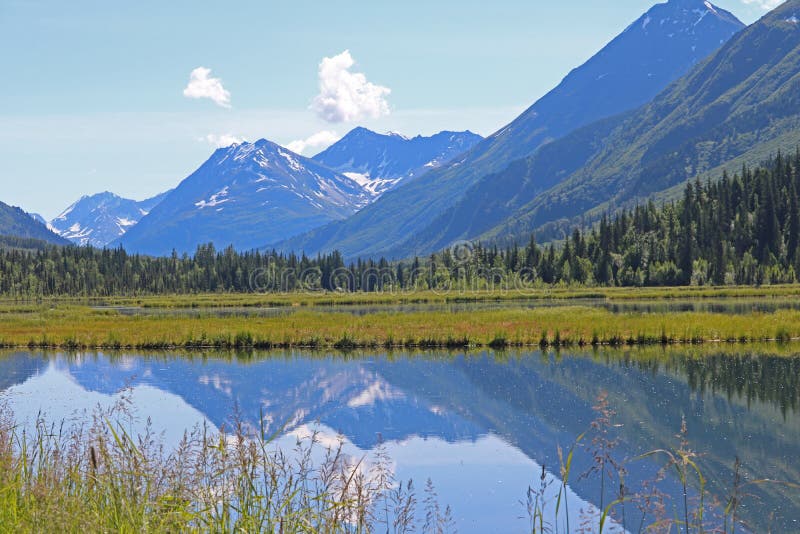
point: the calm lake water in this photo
(726, 306)
(480, 425)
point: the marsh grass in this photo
(98, 477)
(80, 328)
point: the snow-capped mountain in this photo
(99, 219)
(246, 195)
(379, 162)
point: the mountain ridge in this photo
(243, 195)
(380, 162)
(14, 222)
(99, 219)
(385, 227)
(715, 115)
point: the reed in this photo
(100, 478)
(693, 510)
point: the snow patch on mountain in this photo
(380, 162)
(98, 220)
(214, 200)
(247, 195)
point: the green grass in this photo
(71, 326)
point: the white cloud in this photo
(346, 96)
(222, 141)
(764, 4)
(202, 85)
(319, 141)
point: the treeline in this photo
(23, 243)
(90, 272)
(743, 229)
(740, 230)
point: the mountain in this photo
(15, 222)
(246, 195)
(740, 106)
(38, 218)
(654, 51)
(98, 220)
(380, 162)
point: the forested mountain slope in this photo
(741, 105)
(16, 223)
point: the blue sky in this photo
(96, 95)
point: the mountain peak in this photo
(247, 195)
(379, 162)
(688, 3)
(99, 219)
(703, 5)
(686, 17)
(360, 130)
(246, 152)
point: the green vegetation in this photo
(79, 327)
(737, 107)
(742, 230)
(23, 243)
(99, 477)
(327, 299)
(15, 222)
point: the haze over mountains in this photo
(739, 106)
(242, 195)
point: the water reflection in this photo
(723, 306)
(480, 425)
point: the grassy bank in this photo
(79, 327)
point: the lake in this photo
(482, 426)
(729, 306)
